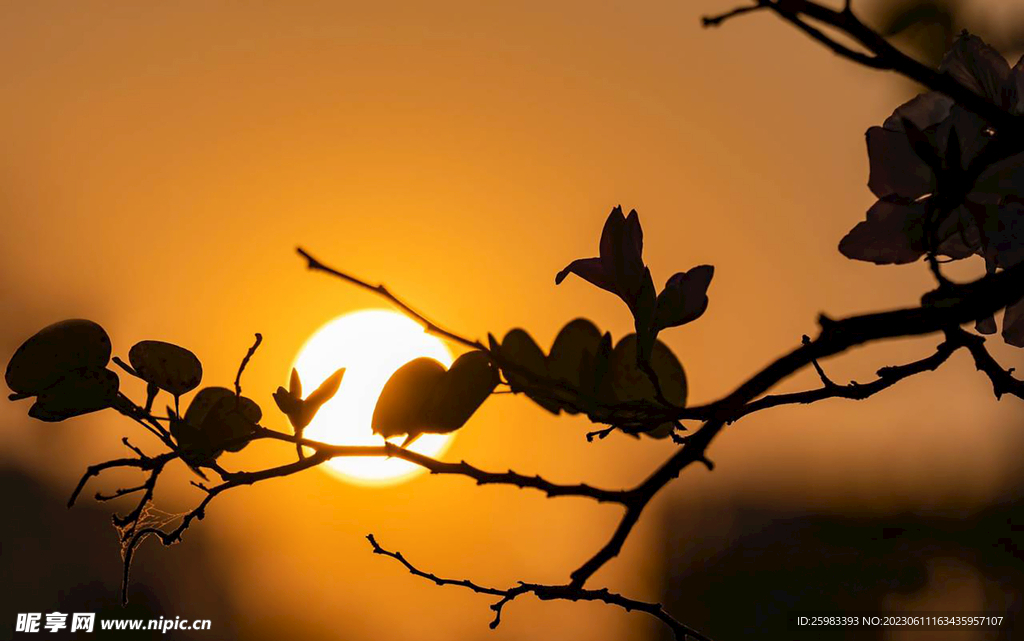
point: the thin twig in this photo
(245, 362)
(381, 290)
(546, 593)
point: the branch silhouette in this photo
(546, 593)
(222, 420)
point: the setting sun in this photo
(371, 345)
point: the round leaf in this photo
(529, 363)
(214, 417)
(47, 356)
(230, 420)
(627, 382)
(577, 338)
(402, 405)
(171, 368)
(80, 391)
(203, 402)
(462, 390)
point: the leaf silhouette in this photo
(54, 351)
(462, 390)
(529, 364)
(300, 412)
(1013, 324)
(166, 366)
(577, 338)
(230, 420)
(289, 401)
(78, 392)
(401, 406)
(685, 297)
(625, 380)
(422, 397)
(216, 420)
(620, 267)
(594, 367)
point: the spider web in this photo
(150, 517)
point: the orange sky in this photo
(162, 160)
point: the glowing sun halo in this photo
(371, 345)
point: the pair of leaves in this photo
(64, 365)
(301, 411)
(217, 420)
(577, 355)
(583, 359)
(422, 397)
(619, 268)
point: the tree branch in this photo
(315, 265)
(1003, 381)
(884, 55)
(547, 593)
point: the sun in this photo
(371, 344)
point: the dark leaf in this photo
(577, 338)
(461, 391)
(923, 145)
(78, 392)
(230, 420)
(590, 270)
(986, 325)
(895, 169)
(594, 368)
(1013, 324)
(925, 110)
(619, 268)
(55, 350)
(627, 382)
(622, 254)
(684, 298)
(216, 420)
(403, 403)
(203, 402)
(977, 66)
(171, 368)
(892, 234)
(644, 312)
(289, 401)
(528, 365)
(300, 412)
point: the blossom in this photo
(919, 153)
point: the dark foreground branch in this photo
(878, 52)
(940, 311)
(132, 536)
(548, 593)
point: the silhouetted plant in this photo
(948, 171)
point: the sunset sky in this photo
(161, 162)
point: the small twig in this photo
(825, 380)
(144, 463)
(546, 593)
(245, 362)
(99, 496)
(1003, 380)
(717, 20)
(128, 444)
(381, 290)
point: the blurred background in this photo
(162, 160)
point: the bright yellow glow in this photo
(371, 345)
